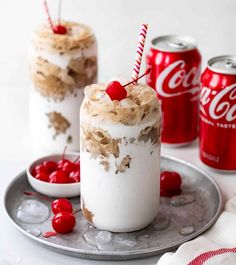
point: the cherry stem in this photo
(63, 154)
(135, 80)
(59, 12)
(76, 159)
(76, 211)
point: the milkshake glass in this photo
(120, 158)
(60, 67)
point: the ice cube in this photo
(182, 200)
(104, 237)
(34, 231)
(184, 231)
(32, 212)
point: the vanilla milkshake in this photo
(61, 65)
(120, 158)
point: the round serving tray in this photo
(180, 219)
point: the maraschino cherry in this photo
(75, 176)
(50, 165)
(61, 163)
(63, 222)
(118, 92)
(40, 169)
(62, 205)
(59, 29)
(170, 184)
(68, 167)
(42, 177)
(59, 176)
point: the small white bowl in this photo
(67, 190)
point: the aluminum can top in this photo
(174, 43)
(225, 64)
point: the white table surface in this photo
(15, 154)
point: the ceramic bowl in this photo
(67, 190)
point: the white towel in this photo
(217, 246)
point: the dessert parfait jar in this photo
(60, 67)
(120, 158)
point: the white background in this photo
(116, 25)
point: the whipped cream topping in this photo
(140, 103)
(77, 36)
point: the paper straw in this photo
(139, 52)
(45, 6)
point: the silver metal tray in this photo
(180, 219)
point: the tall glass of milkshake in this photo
(120, 158)
(61, 65)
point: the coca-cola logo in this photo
(174, 80)
(221, 105)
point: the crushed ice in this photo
(32, 212)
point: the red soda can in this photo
(176, 66)
(218, 114)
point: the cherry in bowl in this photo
(56, 175)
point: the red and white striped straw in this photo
(139, 52)
(45, 6)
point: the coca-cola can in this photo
(218, 114)
(175, 64)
